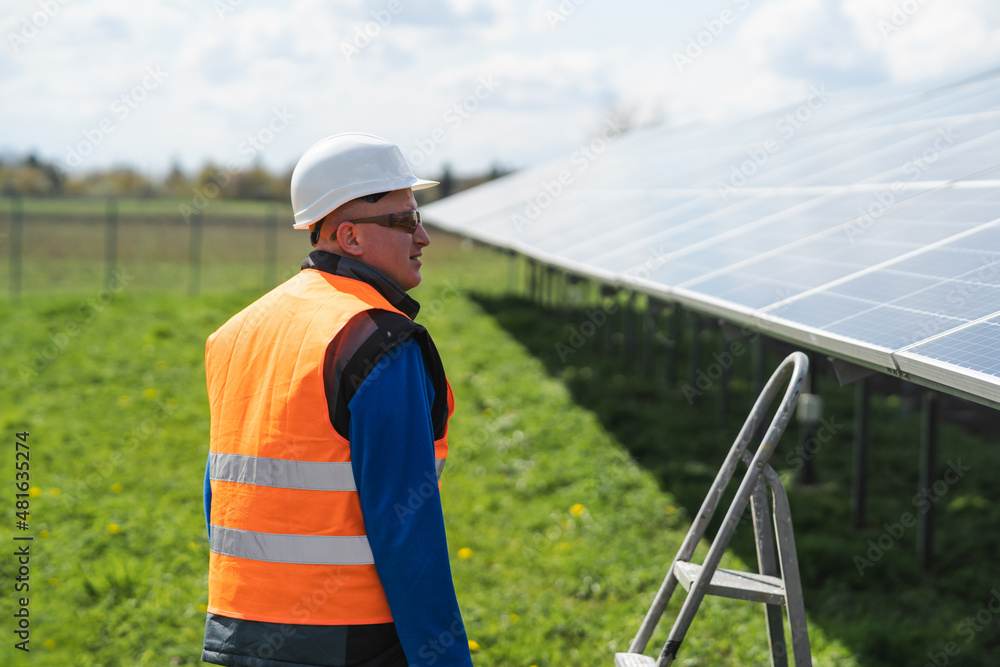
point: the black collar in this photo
(345, 267)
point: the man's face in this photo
(388, 249)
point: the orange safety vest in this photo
(288, 541)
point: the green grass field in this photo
(569, 486)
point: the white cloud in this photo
(227, 73)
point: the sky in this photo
(91, 84)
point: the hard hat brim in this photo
(337, 198)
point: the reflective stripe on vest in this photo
(285, 474)
(287, 536)
(299, 549)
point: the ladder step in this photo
(734, 584)
(633, 660)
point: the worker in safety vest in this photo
(330, 412)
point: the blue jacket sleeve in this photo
(392, 451)
(208, 499)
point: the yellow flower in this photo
(53, 581)
(50, 644)
(473, 645)
(514, 618)
(124, 401)
(117, 487)
(55, 492)
(114, 528)
(149, 394)
(44, 534)
(203, 608)
(465, 552)
(671, 510)
(577, 510)
(34, 492)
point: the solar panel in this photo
(864, 224)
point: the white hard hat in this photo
(343, 167)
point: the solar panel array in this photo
(865, 225)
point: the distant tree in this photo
(176, 183)
(447, 182)
(126, 182)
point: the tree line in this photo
(34, 177)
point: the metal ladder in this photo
(771, 587)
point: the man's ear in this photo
(346, 234)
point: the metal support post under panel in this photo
(859, 468)
(649, 316)
(674, 343)
(695, 353)
(928, 465)
(629, 315)
(532, 278)
(759, 364)
(722, 404)
(604, 293)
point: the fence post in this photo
(111, 241)
(270, 249)
(16, 244)
(194, 255)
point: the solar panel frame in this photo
(872, 234)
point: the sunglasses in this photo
(406, 221)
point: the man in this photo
(329, 415)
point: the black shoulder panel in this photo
(358, 348)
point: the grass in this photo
(571, 485)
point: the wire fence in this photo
(68, 245)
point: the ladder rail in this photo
(792, 365)
(793, 370)
(767, 563)
(789, 570)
